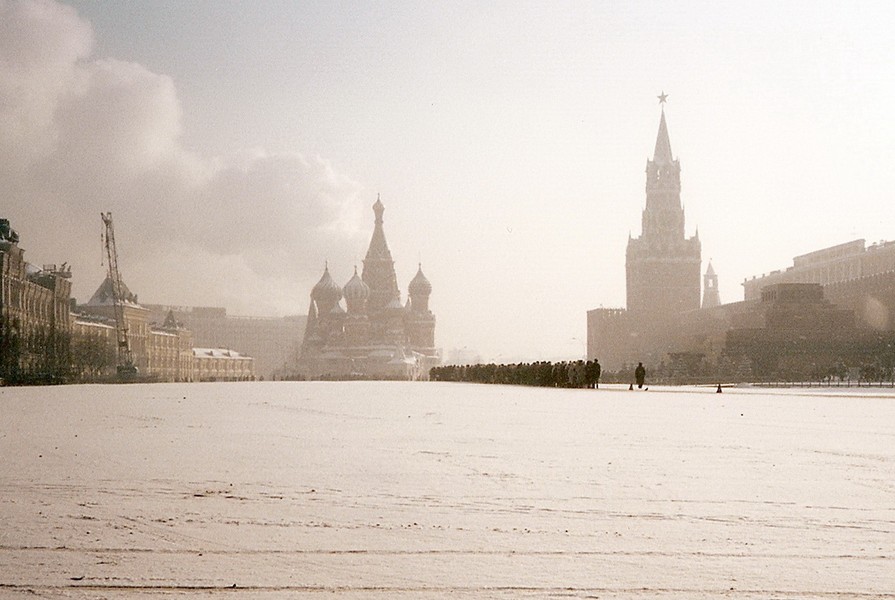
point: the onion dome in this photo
(419, 285)
(326, 290)
(356, 290)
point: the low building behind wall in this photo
(853, 275)
(791, 332)
(794, 333)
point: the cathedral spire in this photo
(379, 268)
(378, 249)
(378, 209)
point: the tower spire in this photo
(662, 252)
(379, 268)
(662, 153)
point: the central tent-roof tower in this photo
(379, 268)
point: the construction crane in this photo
(125, 362)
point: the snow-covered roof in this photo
(92, 323)
(219, 353)
(103, 296)
(163, 333)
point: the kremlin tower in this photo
(662, 272)
(662, 265)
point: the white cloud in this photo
(79, 136)
(41, 43)
(118, 120)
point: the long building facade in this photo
(374, 336)
(45, 337)
(35, 326)
(163, 349)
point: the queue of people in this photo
(566, 374)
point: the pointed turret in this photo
(379, 268)
(171, 322)
(711, 297)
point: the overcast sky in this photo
(240, 145)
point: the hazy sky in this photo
(240, 145)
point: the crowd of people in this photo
(566, 374)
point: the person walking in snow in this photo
(640, 375)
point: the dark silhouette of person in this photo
(640, 374)
(592, 371)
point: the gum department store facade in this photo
(45, 337)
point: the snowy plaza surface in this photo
(445, 490)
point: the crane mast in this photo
(125, 361)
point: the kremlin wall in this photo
(830, 315)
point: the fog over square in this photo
(241, 147)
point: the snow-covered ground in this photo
(408, 490)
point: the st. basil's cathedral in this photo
(375, 335)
